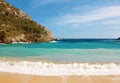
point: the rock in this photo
(118, 38)
(17, 26)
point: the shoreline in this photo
(21, 78)
(58, 69)
(18, 59)
(15, 75)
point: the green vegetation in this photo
(14, 23)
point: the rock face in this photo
(118, 38)
(16, 26)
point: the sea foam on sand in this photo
(51, 69)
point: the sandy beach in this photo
(40, 72)
(60, 41)
(20, 78)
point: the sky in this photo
(75, 18)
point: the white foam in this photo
(21, 42)
(53, 41)
(51, 69)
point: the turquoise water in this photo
(66, 50)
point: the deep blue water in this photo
(66, 50)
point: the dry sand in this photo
(19, 78)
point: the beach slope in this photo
(20, 78)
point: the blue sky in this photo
(75, 18)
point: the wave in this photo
(21, 42)
(53, 41)
(51, 69)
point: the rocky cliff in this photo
(118, 38)
(16, 26)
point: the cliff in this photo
(17, 26)
(118, 38)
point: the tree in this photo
(1, 1)
(2, 36)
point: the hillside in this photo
(16, 26)
(118, 38)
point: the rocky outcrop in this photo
(118, 38)
(17, 26)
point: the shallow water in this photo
(66, 50)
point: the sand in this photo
(19, 78)
(22, 78)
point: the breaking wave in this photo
(52, 69)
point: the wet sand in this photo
(19, 78)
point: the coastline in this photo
(26, 70)
(42, 68)
(21, 78)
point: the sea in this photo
(65, 50)
(84, 57)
